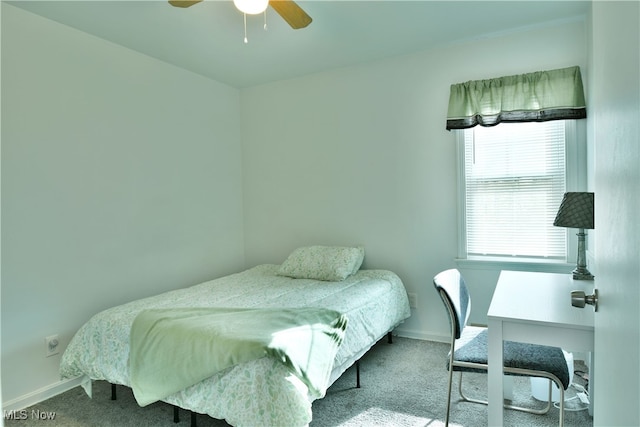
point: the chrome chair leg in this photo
(507, 405)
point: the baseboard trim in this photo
(41, 395)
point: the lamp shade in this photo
(251, 7)
(576, 211)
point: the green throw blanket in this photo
(172, 349)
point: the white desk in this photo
(535, 308)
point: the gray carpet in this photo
(403, 384)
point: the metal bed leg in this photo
(113, 392)
(389, 340)
(176, 416)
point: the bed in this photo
(262, 391)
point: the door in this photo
(614, 108)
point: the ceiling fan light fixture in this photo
(251, 7)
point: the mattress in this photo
(261, 391)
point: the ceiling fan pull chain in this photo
(245, 28)
(265, 19)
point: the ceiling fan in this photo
(287, 9)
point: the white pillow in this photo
(330, 263)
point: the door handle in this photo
(579, 299)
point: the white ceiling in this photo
(207, 38)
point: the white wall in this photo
(361, 156)
(121, 178)
(1, 400)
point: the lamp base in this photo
(582, 274)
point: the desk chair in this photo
(469, 348)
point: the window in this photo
(513, 178)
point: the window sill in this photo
(497, 263)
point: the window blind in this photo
(515, 180)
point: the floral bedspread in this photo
(263, 391)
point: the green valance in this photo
(532, 97)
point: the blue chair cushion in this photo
(516, 355)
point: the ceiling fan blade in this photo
(183, 3)
(291, 12)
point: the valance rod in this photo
(533, 97)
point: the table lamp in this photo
(576, 211)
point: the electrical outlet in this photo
(51, 345)
(413, 299)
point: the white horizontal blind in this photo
(515, 180)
